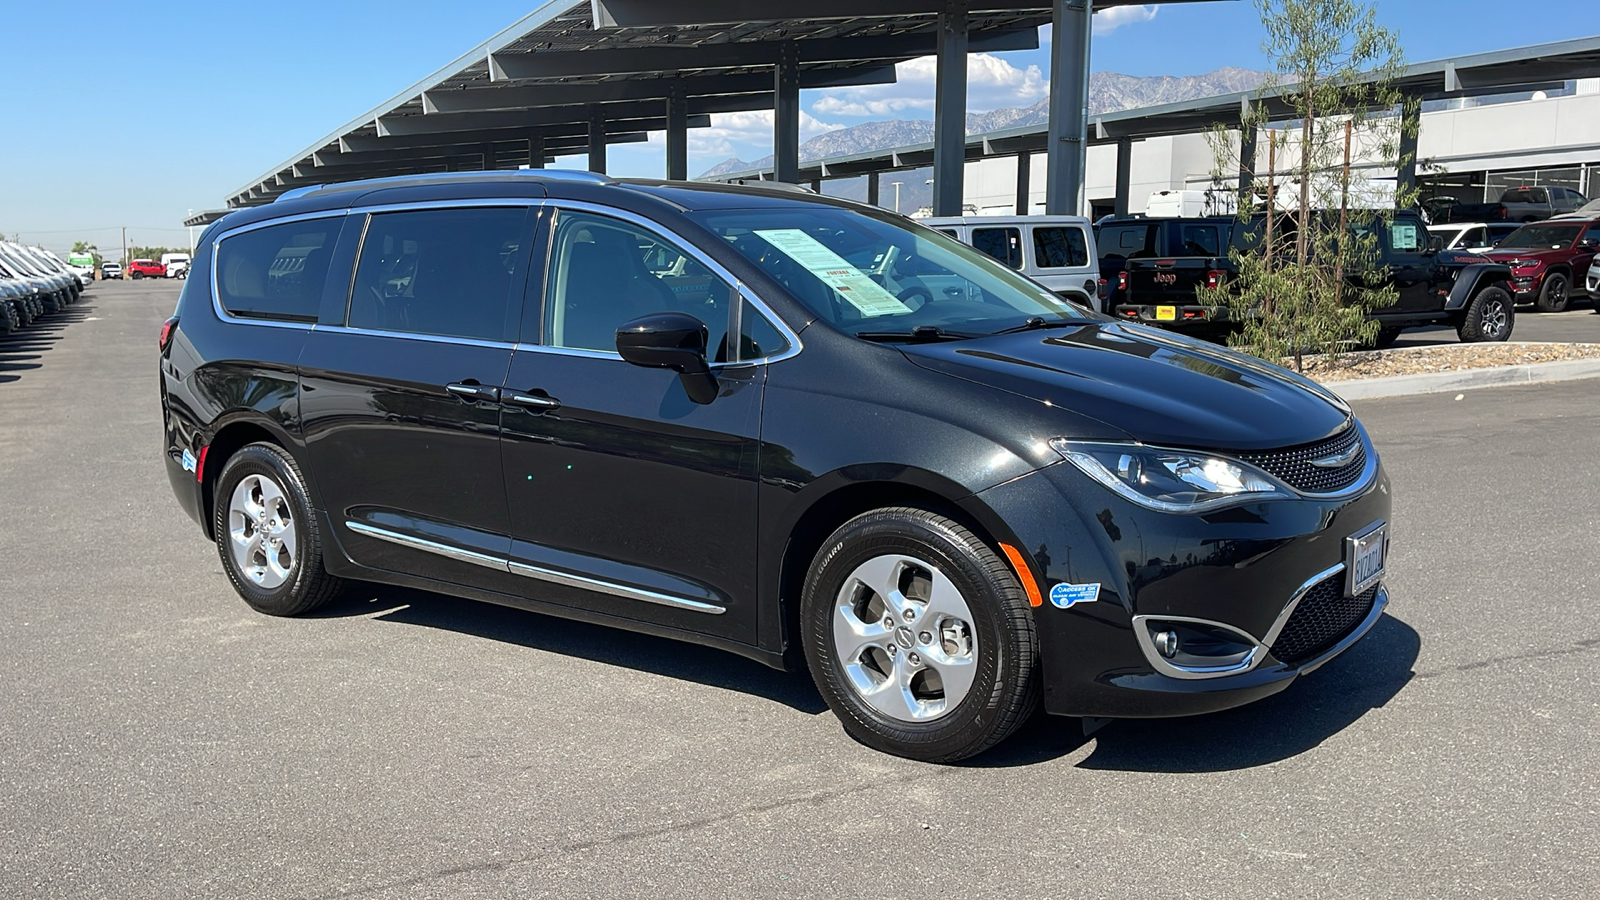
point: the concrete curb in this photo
(1464, 379)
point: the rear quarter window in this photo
(1060, 247)
(276, 272)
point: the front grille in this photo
(1324, 617)
(1293, 466)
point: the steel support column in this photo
(786, 115)
(677, 134)
(872, 189)
(489, 161)
(1410, 125)
(1072, 21)
(1247, 164)
(1124, 175)
(597, 143)
(950, 109)
(1024, 182)
(536, 150)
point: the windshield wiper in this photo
(1035, 322)
(918, 335)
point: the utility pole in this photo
(124, 246)
(896, 194)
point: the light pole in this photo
(897, 194)
(191, 236)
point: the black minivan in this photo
(801, 429)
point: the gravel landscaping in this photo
(1443, 358)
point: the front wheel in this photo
(1555, 294)
(1488, 317)
(267, 536)
(918, 636)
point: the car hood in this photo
(1155, 386)
(1501, 256)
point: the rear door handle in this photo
(532, 401)
(475, 392)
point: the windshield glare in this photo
(867, 275)
(1540, 237)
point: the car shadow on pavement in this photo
(1312, 710)
(611, 646)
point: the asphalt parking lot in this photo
(1578, 324)
(161, 740)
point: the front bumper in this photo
(1240, 567)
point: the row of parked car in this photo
(34, 283)
(171, 265)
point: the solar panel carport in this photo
(577, 77)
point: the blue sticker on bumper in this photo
(1064, 595)
(188, 461)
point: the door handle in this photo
(533, 401)
(474, 392)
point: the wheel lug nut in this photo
(909, 615)
(893, 649)
(915, 659)
(925, 637)
(888, 621)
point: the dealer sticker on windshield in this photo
(1065, 595)
(850, 282)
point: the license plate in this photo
(1364, 556)
(1166, 313)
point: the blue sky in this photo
(109, 120)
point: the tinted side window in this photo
(604, 272)
(758, 337)
(1056, 248)
(446, 272)
(276, 272)
(1126, 241)
(1004, 244)
(1200, 240)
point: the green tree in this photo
(154, 253)
(91, 249)
(1309, 272)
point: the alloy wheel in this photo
(261, 532)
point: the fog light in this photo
(1166, 643)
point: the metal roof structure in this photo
(1539, 67)
(578, 75)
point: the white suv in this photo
(1056, 251)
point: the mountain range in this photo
(1108, 92)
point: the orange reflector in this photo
(1023, 574)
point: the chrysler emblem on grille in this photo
(1337, 460)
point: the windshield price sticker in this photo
(856, 288)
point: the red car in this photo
(146, 268)
(1548, 258)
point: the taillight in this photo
(1214, 279)
(1122, 281)
(167, 329)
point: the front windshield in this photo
(881, 279)
(1543, 236)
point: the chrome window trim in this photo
(216, 248)
(687, 246)
(414, 336)
(538, 573)
(419, 205)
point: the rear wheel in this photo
(1488, 317)
(918, 636)
(1555, 295)
(267, 536)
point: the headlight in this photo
(1523, 263)
(1175, 481)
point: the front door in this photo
(401, 403)
(1411, 264)
(626, 497)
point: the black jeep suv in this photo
(689, 410)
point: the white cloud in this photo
(992, 83)
(746, 134)
(1109, 20)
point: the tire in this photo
(138, 275)
(259, 485)
(1489, 316)
(959, 604)
(1385, 338)
(1555, 295)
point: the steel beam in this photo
(1410, 127)
(786, 116)
(1069, 106)
(677, 135)
(656, 14)
(1024, 175)
(545, 95)
(680, 57)
(1247, 164)
(872, 188)
(372, 144)
(536, 151)
(458, 123)
(597, 142)
(1124, 175)
(950, 109)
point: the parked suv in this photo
(1056, 251)
(1547, 259)
(1201, 241)
(146, 268)
(714, 413)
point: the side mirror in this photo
(675, 341)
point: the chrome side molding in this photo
(539, 573)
